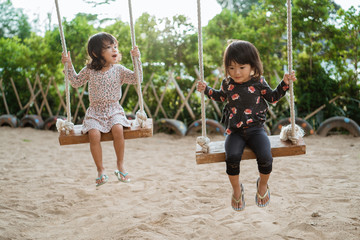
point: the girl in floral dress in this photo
(105, 78)
(246, 93)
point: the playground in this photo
(173, 136)
(47, 191)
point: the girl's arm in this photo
(76, 80)
(273, 96)
(216, 95)
(128, 76)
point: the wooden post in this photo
(186, 100)
(162, 96)
(182, 97)
(16, 93)
(158, 100)
(4, 98)
(44, 95)
(33, 96)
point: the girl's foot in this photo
(101, 180)
(123, 177)
(262, 197)
(238, 204)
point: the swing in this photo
(70, 134)
(211, 152)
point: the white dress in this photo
(104, 94)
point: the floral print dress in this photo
(245, 102)
(104, 94)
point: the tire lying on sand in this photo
(298, 121)
(33, 121)
(341, 123)
(212, 126)
(9, 120)
(170, 126)
(50, 123)
(130, 116)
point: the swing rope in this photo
(292, 132)
(203, 140)
(62, 125)
(140, 115)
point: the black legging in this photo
(257, 139)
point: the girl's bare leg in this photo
(119, 146)
(96, 150)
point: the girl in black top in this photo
(246, 94)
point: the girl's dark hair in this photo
(243, 52)
(95, 46)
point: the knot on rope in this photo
(141, 118)
(204, 143)
(286, 133)
(64, 126)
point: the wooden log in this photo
(44, 95)
(278, 149)
(4, 98)
(16, 93)
(76, 137)
(181, 94)
(158, 100)
(186, 100)
(33, 96)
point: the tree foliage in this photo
(326, 50)
(13, 22)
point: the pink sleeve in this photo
(128, 76)
(77, 80)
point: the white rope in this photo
(62, 125)
(203, 140)
(292, 132)
(140, 115)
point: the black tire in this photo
(308, 129)
(170, 126)
(50, 123)
(33, 121)
(9, 120)
(212, 127)
(339, 122)
(130, 116)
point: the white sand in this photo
(48, 191)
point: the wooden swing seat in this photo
(76, 137)
(278, 149)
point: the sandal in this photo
(241, 198)
(101, 180)
(122, 176)
(261, 197)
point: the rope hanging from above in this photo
(203, 140)
(67, 126)
(140, 115)
(292, 132)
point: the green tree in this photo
(174, 41)
(342, 57)
(242, 7)
(13, 22)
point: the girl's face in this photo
(239, 72)
(110, 53)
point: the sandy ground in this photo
(48, 191)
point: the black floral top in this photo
(246, 105)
